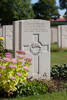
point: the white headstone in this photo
(35, 40)
(62, 36)
(8, 36)
(1, 31)
(54, 34)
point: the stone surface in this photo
(54, 34)
(1, 31)
(62, 36)
(34, 38)
(8, 36)
(16, 35)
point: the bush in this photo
(13, 71)
(54, 47)
(58, 23)
(1, 46)
(39, 87)
(30, 88)
(59, 72)
(7, 50)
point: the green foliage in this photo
(13, 71)
(12, 10)
(31, 88)
(59, 72)
(1, 46)
(54, 47)
(63, 4)
(50, 96)
(58, 23)
(8, 50)
(44, 9)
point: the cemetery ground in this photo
(58, 58)
(54, 96)
(58, 55)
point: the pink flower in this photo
(19, 74)
(20, 56)
(20, 61)
(0, 74)
(6, 59)
(3, 67)
(8, 55)
(21, 52)
(28, 59)
(14, 60)
(12, 78)
(25, 68)
(12, 66)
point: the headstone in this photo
(34, 38)
(62, 36)
(8, 36)
(16, 36)
(54, 34)
(1, 31)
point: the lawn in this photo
(54, 96)
(58, 58)
(58, 55)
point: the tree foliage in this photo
(11, 10)
(44, 9)
(63, 4)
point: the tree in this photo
(11, 10)
(63, 5)
(44, 9)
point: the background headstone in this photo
(16, 36)
(54, 34)
(34, 38)
(1, 31)
(62, 36)
(8, 36)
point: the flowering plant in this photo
(13, 70)
(1, 45)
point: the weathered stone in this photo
(8, 36)
(33, 36)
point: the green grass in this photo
(58, 58)
(54, 96)
(54, 45)
(58, 55)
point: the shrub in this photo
(58, 23)
(30, 88)
(39, 87)
(13, 70)
(8, 50)
(59, 72)
(1, 46)
(54, 47)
